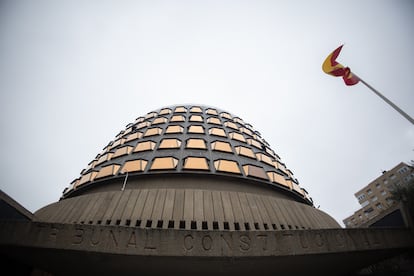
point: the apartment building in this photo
(376, 197)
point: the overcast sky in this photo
(75, 73)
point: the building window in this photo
(117, 143)
(254, 171)
(295, 187)
(170, 144)
(225, 115)
(238, 120)
(374, 199)
(180, 109)
(247, 131)
(144, 146)
(174, 129)
(142, 125)
(153, 131)
(151, 115)
(134, 166)
(365, 203)
(231, 125)
(368, 211)
(120, 134)
(221, 146)
(164, 163)
(133, 136)
(196, 118)
(196, 109)
(196, 129)
(229, 166)
(281, 166)
(245, 152)
(159, 120)
(122, 151)
(237, 136)
(378, 185)
(361, 197)
(279, 179)
(254, 143)
(379, 205)
(384, 192)
(214, 120)
(91, 165)
(107, 171)
(271, 152)
(265, 159)
(87, 178)
(165, 111)
(128, 130)
(103, 158)
(392, 177)
(196, 144)
(211, 111)
(139, 120)
(369, 191)
(177, 118)
(195, 163)
(217, 132)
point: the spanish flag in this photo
(332, 67)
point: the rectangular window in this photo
(217, 132)
(180, 109)
(196, 144)
(174, 129)
(196, 129)
(196, 109)
(361, 197)
(221, 146)
(240, 150)
(196, 118)
(231, 125)
(211, 111)
(237, 136)
(134, 166)
(214, 120)
(227, 166)
(170, 144)
(159, 120)
(196, 163)
(177, 118)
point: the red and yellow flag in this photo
(332, 67)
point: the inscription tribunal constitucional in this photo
(210, 243)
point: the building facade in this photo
(184, 190)
(376, 198)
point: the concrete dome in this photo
(188, 167)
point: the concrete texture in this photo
(195, 208)
(72, 249)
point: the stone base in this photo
(69, 249)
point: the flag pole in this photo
(386, 100)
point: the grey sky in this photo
(74, 73)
